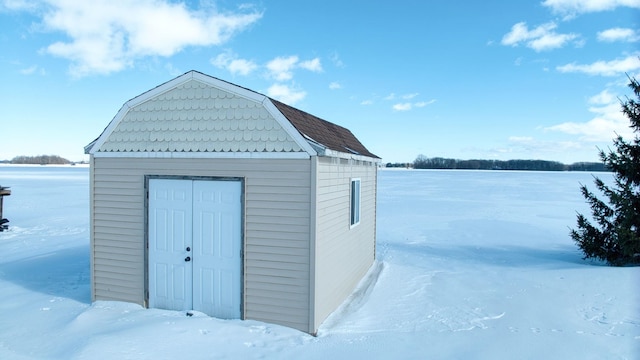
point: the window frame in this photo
(355, 202)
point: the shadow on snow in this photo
(62, 273)
(513, 256)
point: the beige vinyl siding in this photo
(91, 229)
(343, 253)
(276, 230)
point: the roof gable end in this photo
(200, 115)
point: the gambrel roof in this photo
(330, 135)
(202, 116)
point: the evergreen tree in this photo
(616, 238)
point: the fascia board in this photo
(342, 155)
(203, 155)
(229, 87)
(88, 147)
(109, 129)
(159, 90)
(288, 127)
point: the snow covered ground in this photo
(471, 265)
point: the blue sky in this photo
(493, 79)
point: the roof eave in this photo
(202, 155)
(343, 155)
(89, 147)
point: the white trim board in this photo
(204, 155)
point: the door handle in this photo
(188, 258)
(188, 248)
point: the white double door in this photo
(195, 240)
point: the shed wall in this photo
(343, 254)
(276, 230)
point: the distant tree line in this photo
(40, 160)
(423, 162)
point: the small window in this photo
(355, 202)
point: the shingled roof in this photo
(330, 135)
(199, 114)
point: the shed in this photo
(211, 197)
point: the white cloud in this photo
(551, 41)
(520, 139)
(312, 65)
(223, 59)
(107, 36)
(229, 61)
(605, 68)
(407, 105)
(335, 59)
(335, 85)
(285, 93)
(281, 68)
(18, 5)
(402, 106)
(366, 102)
(174, 71)
(619, 34)
(520, 32)
(35, 69)
(424, 103)
(603, 98)
(536, 148)
(597, 129)
(608, 120)
(241, 66)
(572, 7)
(539, 39)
